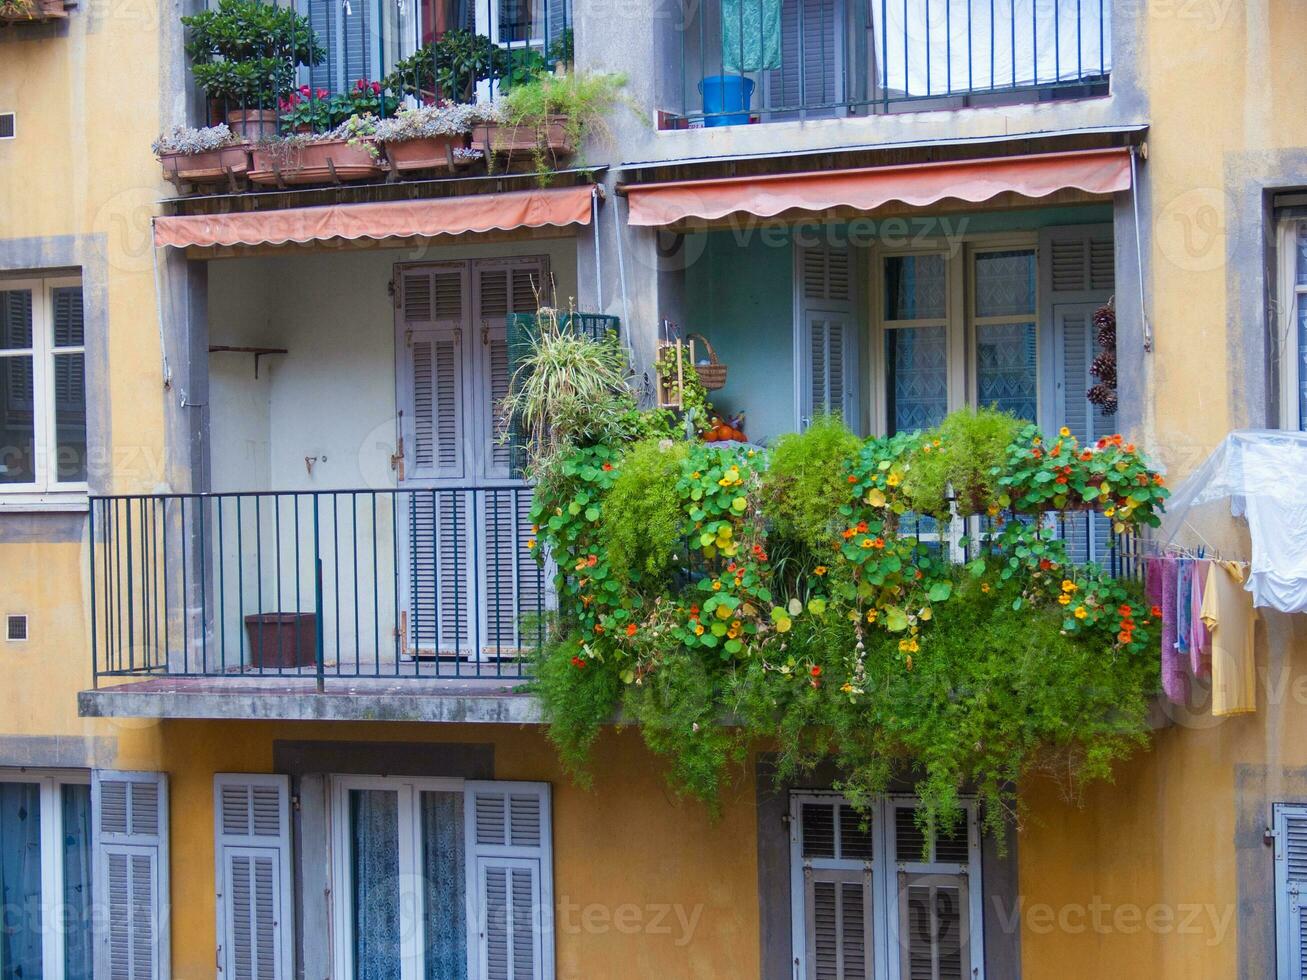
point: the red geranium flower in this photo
(815, 671)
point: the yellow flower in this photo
(717, 586)
(892, 479)
(531, 543)
(695, 475)
(1068, 585)
(698, 629)
(984, 586)
(871, 615)
(1064, 600)
(867, 542)
(1064, 432)
(819, 570)
(1081, 612)
(1109, 511)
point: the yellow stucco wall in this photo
(629, 842)
(1224, 78)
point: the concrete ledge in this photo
(470, 702)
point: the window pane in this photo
(78, 952)
(15, 319)
(374, 866)
(68, 327)
(1005, 283)
(1302, 360)
(70, 416)
(444, 913)
(915, 287)
(916, 360)
(1006, 368)
(17, 420)
(1302, 255)
(20, 879)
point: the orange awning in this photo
(1094, 171)
(390, 219)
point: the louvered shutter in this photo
(935, 912)
(835, 852)
(432, 372)
(500, 290)
(811, 76)
(129, 813)
(510, 880)
(1291, 891)
(1078, 276)
(346, 29)
(252, 850)
(827, 375)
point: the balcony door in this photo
(469, 579)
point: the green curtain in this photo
(751, 35)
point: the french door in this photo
(470, 580)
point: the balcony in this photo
(744, 61)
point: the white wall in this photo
(333, 395)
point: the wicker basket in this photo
(713, 374)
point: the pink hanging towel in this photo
(1175, 672)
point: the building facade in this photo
(261, 416)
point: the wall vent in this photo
(7, 125)
(16, 628)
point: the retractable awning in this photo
(536, 208)
(1104, 171)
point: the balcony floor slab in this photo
(469, 701)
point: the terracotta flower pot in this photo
(315, 163)
(252, 124)
(36, 12)
(505, 139)
(429, 153)
(211, 167)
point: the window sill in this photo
(45, 502)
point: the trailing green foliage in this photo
(805, 481)
(860, 642)
(642, 515)
(583, 701)
(582, 100)
(967, 450)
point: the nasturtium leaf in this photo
(795, 607)
(940, 591)
(896, 620)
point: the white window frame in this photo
(46, 492)
(410, 849)
(885, 868)
(51, 782)
(959, 318)
(1291, 294)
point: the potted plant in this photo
(551, 115)
(18, 11)
(201, 156)
(244, 55)
(447, 69)
(427, 137)
(348, 152)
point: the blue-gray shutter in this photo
(1291, 891)
(129, 816)
(812, 59)
(347, 31)
(828, 373)
(1078, 277)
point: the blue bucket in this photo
(726, 94)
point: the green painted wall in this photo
(740, 294)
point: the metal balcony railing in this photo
(767, 60)
(379, 56)
(412, 583)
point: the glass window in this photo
(45, 842)
(1005, 283)
(406, 881)
(916, 359)
(43, 441)
(916, 287)
(1006, 367)
(1296, 389)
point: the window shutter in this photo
(129, 813)
(510, 880)
(812, 50)
(835, 854)
(439, 558)
(431, 371)
(1291, 891)
(252, 850)
(827, 374)
(1079, 277)
(345, 28)
(937, 930)
(501, 290)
